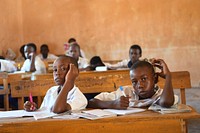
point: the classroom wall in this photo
(167, 29)
(10, 25)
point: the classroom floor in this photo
(193, 99)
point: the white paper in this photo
(125, 112)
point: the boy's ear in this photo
(156, 78)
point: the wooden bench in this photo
(94, 82)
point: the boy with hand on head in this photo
(143, 92)
(66, 96)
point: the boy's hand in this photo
(122, 103)
(159, 63)
(72, 74)
(30, 106)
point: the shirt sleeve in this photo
(76, 99)
(106, 96)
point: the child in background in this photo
(135, 52)
(32, 62)
(45, 55)
(66, 96)
(70, 42)
(74, 51)
(143, 92)
(95, 61)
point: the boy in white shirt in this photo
(32, 62)
(135, 52)
(143, 91)
(66, 96)
(74, 51)
(45, 55)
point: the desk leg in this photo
(183, 126)
(21, 103)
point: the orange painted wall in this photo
(10, 25)
(167, 29)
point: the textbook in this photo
(104, 113)
(178, 108)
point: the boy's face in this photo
(143, 82)
(60, 69)
(27, 51)
(134, 55)
(44, 51)
(74, 52)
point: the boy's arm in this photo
(121, 103)
(60, 104)
(167, 96)
(32, 66)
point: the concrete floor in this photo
(193, 99)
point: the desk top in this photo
(146, 115)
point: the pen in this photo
(122, 90)
(30, 97)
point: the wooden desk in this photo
(147, 121)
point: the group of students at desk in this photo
(143, 92)
(36, 63)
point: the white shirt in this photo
(82, 53)
(75, 98)
(134, 99)
(39, 66)
(82, 62)
(121, 64)
(49, 57)
(7, 66)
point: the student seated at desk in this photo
(135, 52)
(45, 55)
(32, 62)
(66, 96)
(143, 92)
(7, 66)
(74, 51)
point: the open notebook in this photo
(178, 108)
(39, 114)
(104, 113)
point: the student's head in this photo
(33, 45)
(74, 51)
(28, 49)
(71, 40)
(135, 52)
(143, 79)
(44, 50)
(96, 61)
(61, 68)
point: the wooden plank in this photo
(140, 122)
(180, 79)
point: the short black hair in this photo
(33, 46)
(71, 59)
(44, 46)
(136, 46)
(75, 45)
(142, 63)
(71, 40)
